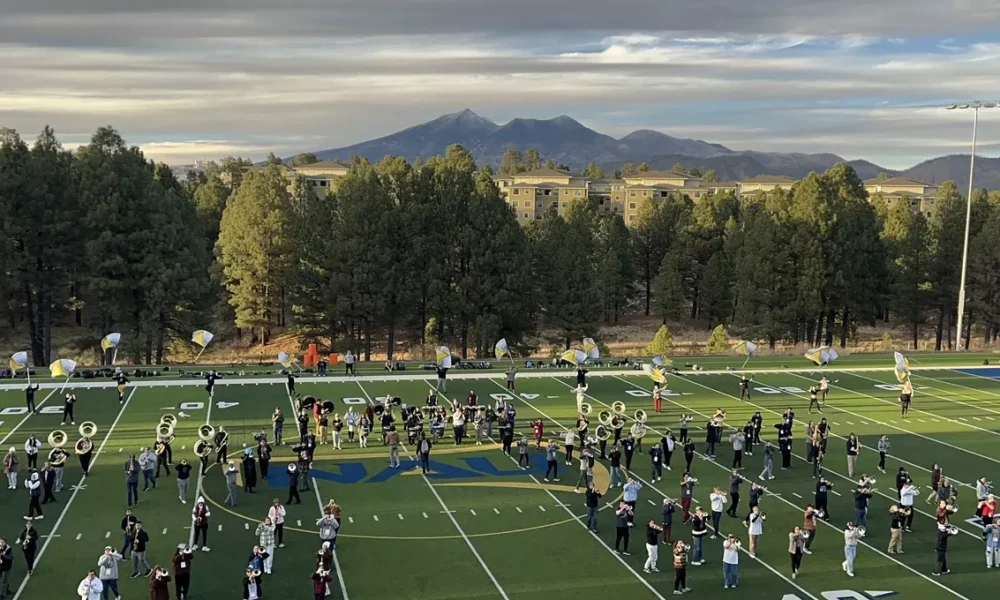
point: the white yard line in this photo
(201, 469)
(76, 490)
(26, 417)
(454, 521)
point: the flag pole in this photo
(27, 369)
(114, 356)
(745, 362)
(63, 388)
(199, 354)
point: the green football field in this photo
(478, 527)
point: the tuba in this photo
(307, 403)
(203, 447)
(603, 432)
(58, 438)
(327, 407)
(604, 417)
(586, 409)
(640, 416)
(87, 430)
(165, 432)
(169, 419)
(618, 407)
(638, 430)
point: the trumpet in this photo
(253, 573)
(618, 407)
(640, 416)
(949, 529)
(603, 433)
(162, 573)
(604, 417)
(58, 438)
(327, 407)
(951, 508)
(586, 409)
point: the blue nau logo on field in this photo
(847, 595)
(476, 467)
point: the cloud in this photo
(248, 76)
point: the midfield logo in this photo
(846, 595)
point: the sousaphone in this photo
(327, 407)
(604, 417)
(603, 432)
(57, 439)
(88, 429)
(618, 407)
(586, 409)
(203, 447)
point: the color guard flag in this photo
(443, 357)
(655, 373)
(19, 361)
(63, 367)
(902, 367)
(660, 361)
(746, 348)
(816, 355)
(590, 347)
(574, 357)
(285, 359)
(501, 349)
(202, 337)
(110, 341)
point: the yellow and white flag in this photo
(63, 367)
(655, 373)
(591, 349)
(746, 348)
(443, 357)
(285, 359)
(110, 341)
(501, 349)
(816, 356)
(19, 361)
(574, 357)
(202, 337)
(660, 361)
(902, 367)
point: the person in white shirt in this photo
(31, 447)
(277, 515)
(570, 440)
(349, 363)
(718, 500)
(90, 588)
(757, 519)
(580, 391)
(731, 562)
(851, 536)
(906, 496)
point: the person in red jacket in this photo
(182, 571)
(657, 398)
(158, 581)
(539, 428)
(321, 583)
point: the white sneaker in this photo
(850, 573)
(843, 566)
(206, 549)
(807, 551)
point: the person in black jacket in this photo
(139, 551)
(263, 457)
(29, 545)
(248, 581)
(293, 484)
(249, 471)
(941, 568)
(628, 445)
(29, 397)
(48, 483)
(6, 564)
(688, 454)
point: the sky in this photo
(201, 79)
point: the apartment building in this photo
(321, 176)
(918, 194)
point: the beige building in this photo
(321, 176)
(764, 183)
(534, 193)
(919, 195)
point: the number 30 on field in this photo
(20, 410)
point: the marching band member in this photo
(221, 446)
(210, 378)
(718, 500)
(90, 588)
(907, 495)
(265, 537)
(29, 397)
(630, 494)
(511, 375)
(328, 526)
(621, 527)
(278, 426)
(756, 529)
(711, 438)
(458, 425)
(552, 460)
(522, 451)
(107, 566)
(941, 567)
(745, 386)
(983, 489)
(128, 531)
(667, 518)
(853, 450)
(883, 449)
(249, 471)
(851, 536)
(276, 513)
(182, 571)
(392, 441)
(688, 454)
(748, 437)
(593, 506)
(538, 430)
(581, 377)
(147, 462)
(809, 527)
(230, 474)
(656, 462)
(685, 419)
(49, 481)
(303, 423)
(669, 444)
(905, 397)
(862, 495)
(364, 429)
(183, 477)
(902, 478)
(824, 387)
(991, 531)
(322, 422)
(424, 453)
(687, 494)
(6, 564)
(10, 462)
(324, 557)
(139, 550)
(321, 583)
(31, 447)
(937, 473)
(823, 488)
(304, 462)
(582, 427)
(897, 519)
(987, 509)
(480, 425)
(738, 440)
(814, 400)
(263, 457)
(292, 470)
(160, 452)
(652, 547)
(734, 492)
(731, 562)
(657, 398)
(796, 547)
(586, 470)
(570, 439)
(28, 539)
(351, 420)
(251, 582)
(68, 409)
(34, 492)
(699, 529)
(680, 568)
(122, 380)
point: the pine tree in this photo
(663, 342)
(718, 342)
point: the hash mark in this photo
(400, 515)
(299, 523)
(473, 512)
(79, 535)
(796, 495)
(220, 527)
(246, 526)
(164, 531)
(836, 492)
(107, 535)
(375, 517)
(496, 511)
(425, 516)
(518, 509)
(541, 508)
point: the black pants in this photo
(881, 460)
(182, 581)
(506, 445)
(687, 459)
(734, 504)
(204, 463)
(809, 540)
(85, 463)
(667, 456)
(263, 468)
(161, 461)
(34, 507)
(293, 492)
(749, 444)
(31, 406)
(459, 433)
(684, 435)
(569, 453)
(201, 530)
(29, 559)
(628, 460)
(942, 561)
(786, 459)
(744, 392)
(33, 461)
(279, 532)
(821, 505)
(68, 413)
(552, 468)
(621, 535)
(909, 519)
(796, 560)
(48, 497)
(737, 459)
(756, 435)
(222, 455)
(680, 579)
(169, 452)
(604, 445)
(631, 514)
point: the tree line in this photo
(406, 254)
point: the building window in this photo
(631, 205)
(563, 204)
(548, 192)
(516, 191)
(578, 193)
(527, 204)
(538, 217)
(632, 193)
(527, 216)
(323, 183)
(644, 193)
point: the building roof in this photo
(324, 164)
(658, 187)
(661, 175)
(898, 181)
(545, 172)
(905, 194)
(769, 179)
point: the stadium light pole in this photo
(975, 106)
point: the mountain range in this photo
(565, 140)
